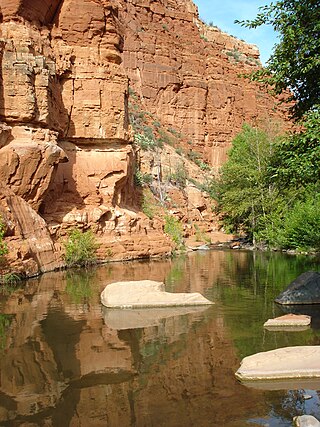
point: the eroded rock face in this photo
(27, 164)
(65, 140)
(187, 73)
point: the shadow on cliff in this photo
(62, 196)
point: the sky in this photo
(223, 13)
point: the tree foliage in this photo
(269, 187)
(243, 192)
(296, 161)
(295, 61)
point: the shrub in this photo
(165, 138)
(301, 228)
(143, 141)
(200, 235)
(3, 246)
(142, 178)
(147, 204)
(194, 156)
(173, 228)
(80, 248)
(180, 176)
(10, 279)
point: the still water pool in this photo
(67, 361)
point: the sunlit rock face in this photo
(187, 73)
(65, 139)
(65, 142)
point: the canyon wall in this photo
(189, 74)
(67, 158)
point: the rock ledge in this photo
(147, 293)
(283, 363)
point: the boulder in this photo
(147, 293)
(302, 362)
(306, 421)
(305, 289)
(288, 322)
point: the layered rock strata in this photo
(188, 73)
(66, 153)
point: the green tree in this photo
(243, 192)
(295, 61)
(301, 226)
(296, 160)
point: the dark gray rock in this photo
(305, 289)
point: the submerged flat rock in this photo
(288, 322)
(283, 363)
(147, 293)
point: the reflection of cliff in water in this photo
(63, 365)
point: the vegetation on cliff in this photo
(80, 248)
(167, 172)
(3, 246)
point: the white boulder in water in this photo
(301, 362)
(306, 421)
(147, 293)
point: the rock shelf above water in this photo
(147, 293)
(288, 322)
(301, 362)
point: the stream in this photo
(65, 360)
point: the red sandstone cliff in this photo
(66, 153)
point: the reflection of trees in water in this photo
(284, 406)
(80, 285)
(252, 269)
(176, 274)
(5, 322)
